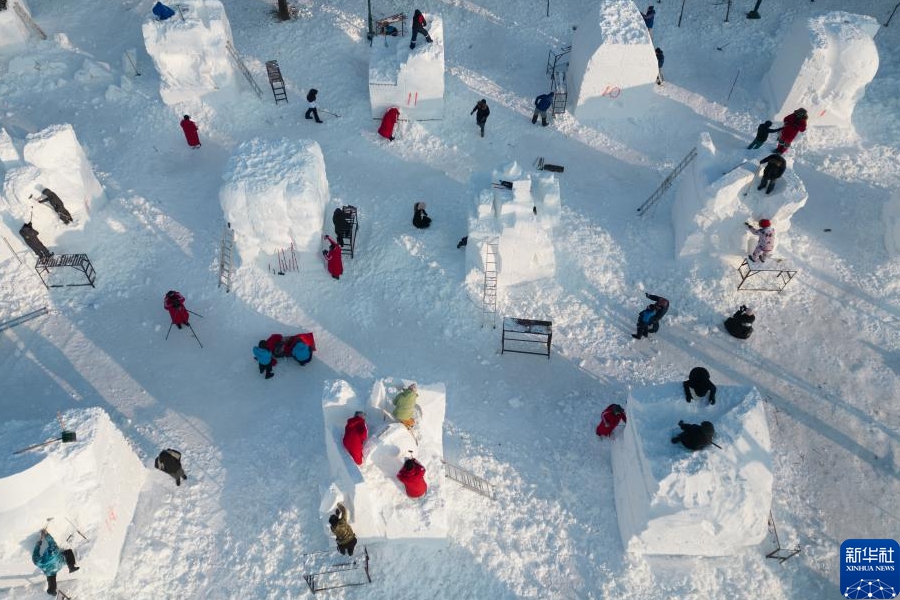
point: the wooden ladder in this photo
(276, 81)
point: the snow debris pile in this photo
(612, 71)
(712, 502)
(823, 65)
(191, 56)
(519, 214)
(275, 194)
(51, 158)
(710, 205)
(379, 507)
(411, 80)
(85, 492)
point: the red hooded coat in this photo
(387, 123)
(355, 435)
(414, 479)
(609, 420)
(190, 132)
(177, 311)
(792, 126)
(333, 256)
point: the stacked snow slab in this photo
(710, 207)
(672, 501)
(823, 65)
(521, 220)
(51, 158)
(93, 482)
(275, 194)
(190, 55)
(411, 80)
(379, 507)
(612, 71)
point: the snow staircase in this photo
(326, 575)
(243, 68)
(489, 293)
(24, 318)
(667, 182)
(276, 81)
(226, 257)
(29, 22)
(469, 480)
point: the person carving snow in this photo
(766, 242)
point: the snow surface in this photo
(824, 355)
(824, 66)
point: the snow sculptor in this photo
(695, 437)
(343, 533)
(699, 383)
(766, 243)
(51, 560)
(405, 406)
(412, 475)
(610, 418)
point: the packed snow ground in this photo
(825, 352)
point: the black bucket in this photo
(68, 436)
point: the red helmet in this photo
(765, 223)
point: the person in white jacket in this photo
(766, 242)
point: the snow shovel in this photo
(65, 437)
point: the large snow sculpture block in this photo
(276, 200)
(92, 483)
(823, 64)
(411, 80)
(710, 207)
(379, 507)
(712, 502)
(612, 71)
(191, 55)
(13, 31)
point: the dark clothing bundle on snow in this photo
(421, 220)
(699, 383)
(740, 324)
(53, 200)
(162, 11)
(30, 235)
(169, 461)
(695, 437)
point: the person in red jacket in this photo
(794, 123)
(388, 121)
(355, 435)
(610, 418)
(413, 477)
(190, 132)
(174, 303)
(333, 258)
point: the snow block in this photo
(275, 193)
(9, 155)
(612, 71)
(13, 32)
(710, 207)
(411, 80)
(93, 482)
(672, 501)
(379, 507)
(823, 65)
(191, 55)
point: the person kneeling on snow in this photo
(355, 435)
(51, 560)
(740, 324)
(695, 437)
(610, 419)
(412, 475)
(405, 405)
(343, 533)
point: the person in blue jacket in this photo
(649, 318)
(265, 359)
(51, 560)
(301, 353)
(541, 104)
(648, 18)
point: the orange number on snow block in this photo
(611, 91)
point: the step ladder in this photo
(667, 182)
(226, 257)
(276, 81)
(24, 318)
(469, 480)
(243, 68)
(29, 22)
(489, 293)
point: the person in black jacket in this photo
(418, 26)
(740, 324)
(420, 218)
(481, 111)
(649, 318)
(762, 134)
(774, 170)
(695, 437)
(312, 112)
(343, 226)
(698, 382)
(53, 200)
(30, 235)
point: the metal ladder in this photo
(29, 22)
(276, 81)
(667, 182)
(226, 251)
(489, 293)
(243, 68)
(24, 318)
(469, 480)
